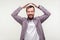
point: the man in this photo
(31, 26)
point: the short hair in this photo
(30, 7)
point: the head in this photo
(30, 10)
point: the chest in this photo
(31, 26)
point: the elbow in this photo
(12, 15)
(49, 14)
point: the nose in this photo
(30, 12)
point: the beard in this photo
(30, 16)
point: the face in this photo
(30, 12)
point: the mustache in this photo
(30, 14)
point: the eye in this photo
(32, 11)
(27, 11)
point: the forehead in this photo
(30, 9)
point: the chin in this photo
(30, 18)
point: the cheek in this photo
(30, 12)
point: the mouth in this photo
(30, 16)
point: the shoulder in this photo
(37, 17)
(24, 18)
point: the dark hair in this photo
(30, 7)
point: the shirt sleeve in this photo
(15, 15)
(45, 15)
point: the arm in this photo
(15, 15)
(46, 13)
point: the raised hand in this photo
(26, 5)
(32, 4)
(35, 5)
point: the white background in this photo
(11, 30)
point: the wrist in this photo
(40, 7)
(20, 7)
